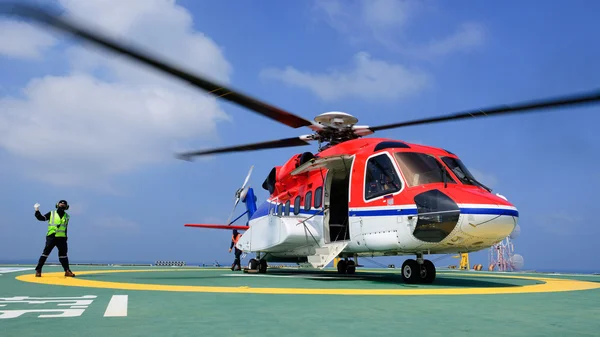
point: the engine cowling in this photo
(280, 178)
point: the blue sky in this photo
(98, 131)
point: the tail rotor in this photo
(240, 194)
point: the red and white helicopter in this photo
(355, 196)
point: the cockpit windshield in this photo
(461, 172)
(421, 169)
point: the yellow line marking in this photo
(548, 285)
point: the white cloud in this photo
(369, 79)
(108, 115)
(20, 40)
(466, 37)
(354, 18)
(386, 22)
(385, 13)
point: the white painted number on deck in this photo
(77, 306)
(5, 270)
(67, 306)
(117, 307)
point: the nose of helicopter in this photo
(482, 216)
(486, 216)
(489, 222)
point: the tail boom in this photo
(229, 227)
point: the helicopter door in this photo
(333, 195)
(336, 199)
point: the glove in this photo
(36, 206)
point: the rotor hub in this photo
(336, 119)
(336, 127)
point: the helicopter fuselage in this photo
(378, 197)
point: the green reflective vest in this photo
(58, 226)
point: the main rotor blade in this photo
(504, 109)
(286, 142)
(213, 88)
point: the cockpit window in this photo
(461, 172)
(381, 177)
(420, 169)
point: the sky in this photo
(81, 124)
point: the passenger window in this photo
(307, 200)
(280, 209)
(297, 205)
(381, 177)
(318, 196)
(287, 208)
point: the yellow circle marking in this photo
(549, 285)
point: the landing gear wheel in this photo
(410, 271)
(341, 267)
(427, 272)
(262, 268)
(350, 267)
(253, 264)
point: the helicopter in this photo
(356, 195)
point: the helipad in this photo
(369, 282)
(170, 301)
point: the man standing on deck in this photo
(56, 235)
(234, 239)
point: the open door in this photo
(336, 194)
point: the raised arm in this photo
(41, 217)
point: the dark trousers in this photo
(237, 262)
(61, 244)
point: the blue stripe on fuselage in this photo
(263, 210)
(413, 211)
(489, 211)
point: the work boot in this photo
(69, 273)
(38, 273)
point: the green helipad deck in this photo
(170, 301)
